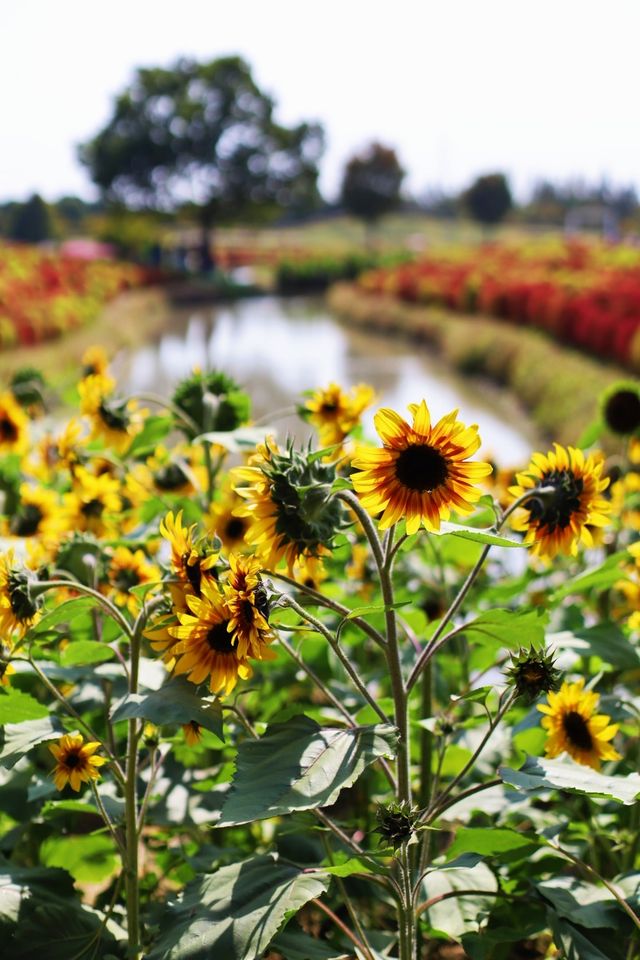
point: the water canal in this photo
(276, 348)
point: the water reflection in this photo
(277, 348)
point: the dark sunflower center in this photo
(235, 529)
(555, 510)
(126, 578)
(219, 638)
(72, 760)
(92, 508)
(622, 411)
(329, 407)
(421, 467)
(113, 417)
(8, 430)
(577, 731)
(170, 477)
(26, 522)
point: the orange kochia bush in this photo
(584, 294)
(44, 294)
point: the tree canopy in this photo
(203, 133)
(371, 183)
(30, 222)
(488, 199)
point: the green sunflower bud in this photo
(396, 823)
(532, 673)
(213, 401)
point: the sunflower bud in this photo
(532, 672)
(396, 823)
(620, 407)
(213, 401)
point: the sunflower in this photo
(18, 610)
(130, 569)
(223, 521)
(206, 648)
(14, 426)
(192, 733)
(76, 761)
(620, 407)
(249, 608)
(289, 500)
(421, 473)
(190, 562)
(95, 361)
(335, 413)
(573, 726)
(38, 514)
(94, 503)
(112, 420)
(557, 521)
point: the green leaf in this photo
(18, 738)
(590, 434)
(582, 903)
(376, 608)
(509, 628)
(64, 613)
(457, 915)
(489, 841)
(295, 944)
(43, 917)
(175, 702)
(478, 536)
(154, 430)
(298, 765)
(604, 640)
(235, 912)
(89, 858)
(84, 652)
(598, 578)
(236, 441)
(538, 773)
(348, 868)
(575, 945)
(17, 706)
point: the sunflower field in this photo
(43, 294)
(355, 697)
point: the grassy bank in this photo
(557, 386)
(128, 321)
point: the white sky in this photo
(458, 87)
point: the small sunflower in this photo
(95, 361)
(557, 521)
(14, 426)
(335, 413)
(94, 503)
(223, 521)
(249, 607)
(205, 646)
(192, 733)
(112, 420)
(421, 473)
(76, 761)
(18, 609)
(620, 407)
(574, 727)
(38, 514)
(129, 569)
(190, 562)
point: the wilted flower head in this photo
(396, 822)
(532, 672)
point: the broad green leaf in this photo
(376, 608)
(582, 903)
(348, 868)
(154, 430)
(509, 628)
(476, 535)
(56, 808)
(575, 944)
(42, 917)
(590, 434)
(236, 441)
(85, 652)
(175, 702)
(298, 765)
(605, 640)
(600, 577)
(89, 858)
(538, 773)
(294, 944)
(66, 612)
(479, 695)
(489, 841)
(18, 738)
(465, 914)
(17, 706)
(235, 912)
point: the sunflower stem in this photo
(131, 806)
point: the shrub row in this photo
(583, 294)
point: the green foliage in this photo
(372, 182)
(89, 859)
(488, 199)
(31, 221)
(539, 774)
(174, 703)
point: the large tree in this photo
(488, 199)
(203, 133)
(371, 183)
(30, 222)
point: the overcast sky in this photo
(458, 87)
